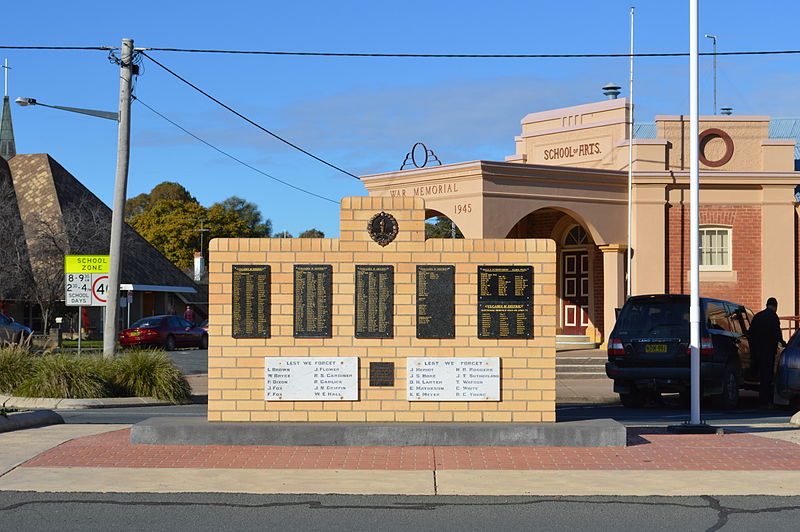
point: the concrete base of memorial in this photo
(187, 431)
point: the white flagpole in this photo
(694, 211)
(630, 170)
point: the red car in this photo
(167, 331)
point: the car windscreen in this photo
(146, 322)
(654, 318)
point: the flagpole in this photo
(630, 169)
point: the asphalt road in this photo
(190, 361)
(196, 512)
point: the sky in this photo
(361, 114)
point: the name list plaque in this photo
(505, 301)
(436, 292)
(311, 378)
(250, 301)
(374, 301)
(313, 300)
(453, 379)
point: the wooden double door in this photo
(574, 291)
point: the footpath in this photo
(744, 460)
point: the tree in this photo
(283, 234)
(15, 274)
(312, 233)
(251, 215)
(442, 228)
(166, 190)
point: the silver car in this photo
(11, 331)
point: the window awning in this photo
(157, 288)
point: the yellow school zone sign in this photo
(85, 263)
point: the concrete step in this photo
(565, 342)
(576, 375)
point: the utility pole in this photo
(120, 188)
(714, 38)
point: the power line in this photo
(226, 154)
(462, 56)
(240, 115)
(424, 56)
(105, 48)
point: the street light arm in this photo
(91, 112)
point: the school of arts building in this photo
(568, 181)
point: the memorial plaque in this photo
(374, 301)
(436, 293)
(381, 373)
(453, 379)
(250, 299)
(504, 302)
(311, 378)
(313, 298)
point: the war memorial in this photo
(381, 337)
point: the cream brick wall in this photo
(236, 366)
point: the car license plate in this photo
(655, 348)
(134, 333)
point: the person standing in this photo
(188, 314)
(765, 335)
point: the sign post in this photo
(85, 284)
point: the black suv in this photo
(648, 350)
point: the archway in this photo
(579, 269)
(437, 225)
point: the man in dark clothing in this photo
(765, 335)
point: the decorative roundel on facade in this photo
(707, 136)
(382, 228)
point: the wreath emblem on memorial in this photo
(382, 228)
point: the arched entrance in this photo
(579, 270)
(437, 225)
(575, 272)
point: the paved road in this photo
(96, 511)
(190, 361)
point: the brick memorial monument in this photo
(381, 325)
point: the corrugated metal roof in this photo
(779, 128)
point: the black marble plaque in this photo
(250, 299)
(381, 373)
(505, 297)
(436, 305)
(313, 299)
(374, 301)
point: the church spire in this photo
(8, 147)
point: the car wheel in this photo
(170, 343)
(729, 398)
(204, 342)
(634, 399)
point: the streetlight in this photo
(714, 38)
(120, 186)
(24, 102)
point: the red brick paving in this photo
(648, 449)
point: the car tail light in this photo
(615, 347)
(150, 332)
(706, 347)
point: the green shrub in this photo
(16, 365)
(149, 373)
(67, 376)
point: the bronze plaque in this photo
(436, 307)
(250, 301)
(313, 299)
(374, 301)
(382, 228)
(381, 373)
(505, 298)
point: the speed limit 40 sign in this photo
(85, 280)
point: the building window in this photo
(715, 248)
(576, 237)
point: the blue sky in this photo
(362, 114)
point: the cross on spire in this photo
(5, 72)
